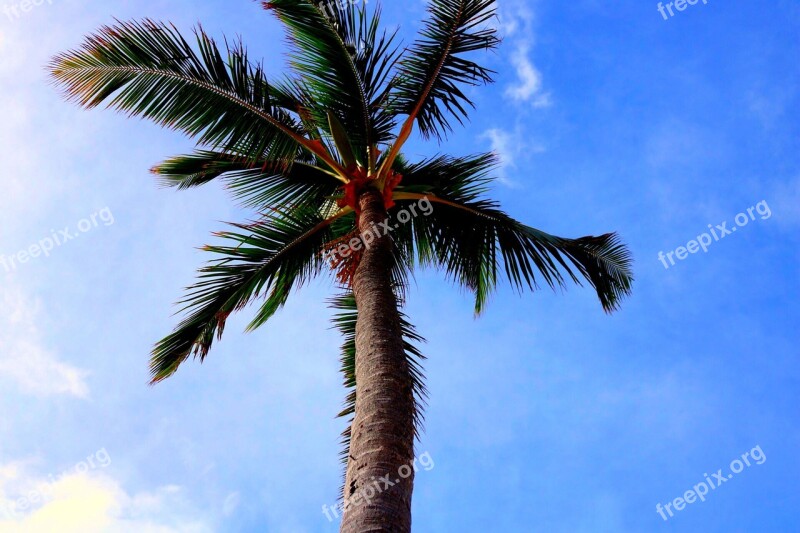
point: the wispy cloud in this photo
(24, 359)
(530, 86)
(516, 24)
(231, 503)
(504, 145)
(509, 147)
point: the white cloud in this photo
(516, 24)
(514, 16)
(24, 359)
(530, 87)
(231, 503)
(91, 504)
(509, 147)
(504, 144)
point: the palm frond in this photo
(259, 184)
(149, 69)
(471, 238)
(465, 178)
(344, 63)
(432, 73)
(268, 260)
(201, 167)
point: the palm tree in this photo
(319, 154)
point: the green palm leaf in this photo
(344, 64)
(470, 238)
(148, 69)
(259, 184)
(269, 259)
(432, 71)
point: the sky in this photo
(678, 132)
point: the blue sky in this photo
(545, 414)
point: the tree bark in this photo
(377, 496)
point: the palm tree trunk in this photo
(377, 496)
